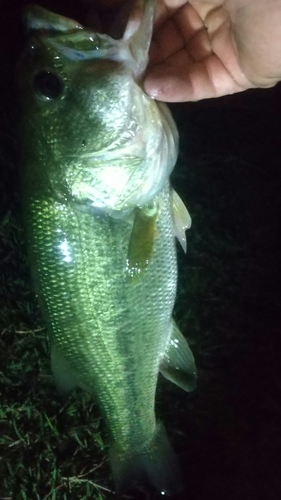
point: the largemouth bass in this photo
(101, 220)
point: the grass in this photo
(227, 433)
(41, 438)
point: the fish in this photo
(101, 219)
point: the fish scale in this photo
(98, 345)
(100, 223)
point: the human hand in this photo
(204, 49)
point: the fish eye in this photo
(47, 84)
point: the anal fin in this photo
(178, 364)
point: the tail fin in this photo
(155, 466)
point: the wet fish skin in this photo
(95, 152)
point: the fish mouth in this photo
(98, 18)
(126, 39)
(109, 19)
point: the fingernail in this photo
(151, 89)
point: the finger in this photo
(201, 80)
(165, 9)
(171, 39)
(167, 41)
(175, 33)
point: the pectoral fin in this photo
(142, 240)
(178, 363)
(182, 219)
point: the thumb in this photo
(192, 83)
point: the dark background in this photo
(226, 434)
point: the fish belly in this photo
(108, 330)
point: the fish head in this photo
(74, 80)
(84, 112)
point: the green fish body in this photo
(100, 221)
